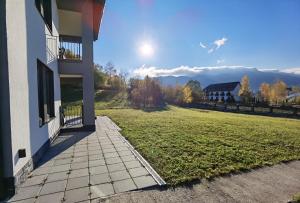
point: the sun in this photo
(146, 49)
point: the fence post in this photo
(271, 109)
(82, 114)
(238, 107)
(252, 107)
(225, 107)
(61, 116)
(295, 111)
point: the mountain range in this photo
(221, 75)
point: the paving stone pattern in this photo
(85, 167)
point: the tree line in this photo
(148, 92)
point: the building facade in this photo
(42, 42)
(223, 92)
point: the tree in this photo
(278, 92)
(265, 90)
(145, 93)
(197, 93)
(187, 95)
(245, 91)
(100, 77)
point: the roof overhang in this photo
(76, 5)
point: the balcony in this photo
(51, 48)
(70, 48)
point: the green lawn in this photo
(187, 144)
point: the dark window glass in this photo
(45, 93)
(44, 7)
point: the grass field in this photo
(188, 144)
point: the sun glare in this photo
(146, 49)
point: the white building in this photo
(31, 34)
(223, 92)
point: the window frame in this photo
(38, 5)
(46, 103)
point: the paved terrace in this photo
(84, 167)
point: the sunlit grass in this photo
(187, 144)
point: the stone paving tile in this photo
(125, 153)
(141, 171)
(57, 186)
(60, 168)
(116, 167)
(77, 195)
(79, 172)
(124, 185)
(41, 171)
(34, 180)
(119, 175)
(51, 198)
(99, 162)
(121, 149)
(79, 165)
(113, 160)
(64, 156)
(132, 164)
(99, 179)
(45, 164)
(109, 150)
(79, 154)
(31, 200)
(74, 183)
(102, 190)
(98, 170)
(108, 146)
(144, 181)
(95, 152)
(95, 157)
(92, 149)
(57, 176)
(111, 155)
(95, 167)
(80, 159)
(62, 161)
(26, 193)
(128, 158)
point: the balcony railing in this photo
(51, 48)
(70, 48)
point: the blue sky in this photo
(196, 33)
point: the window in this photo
(44, 7)
(45, 93)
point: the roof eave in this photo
(97, 17)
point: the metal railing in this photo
(70, 48)
(51, 48)
(261, 109)
(71, 116)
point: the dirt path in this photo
(269, 184)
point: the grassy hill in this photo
(110, 99)
(104, 99)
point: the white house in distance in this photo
(42, 42)
(223, 92)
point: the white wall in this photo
(235, 92)
(26, 33)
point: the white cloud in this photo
(220, 42)
(190, 71)
(202, 45)
(291, 70)
(216, 45)
(179, 71)
(219, 61)
(210, 50)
